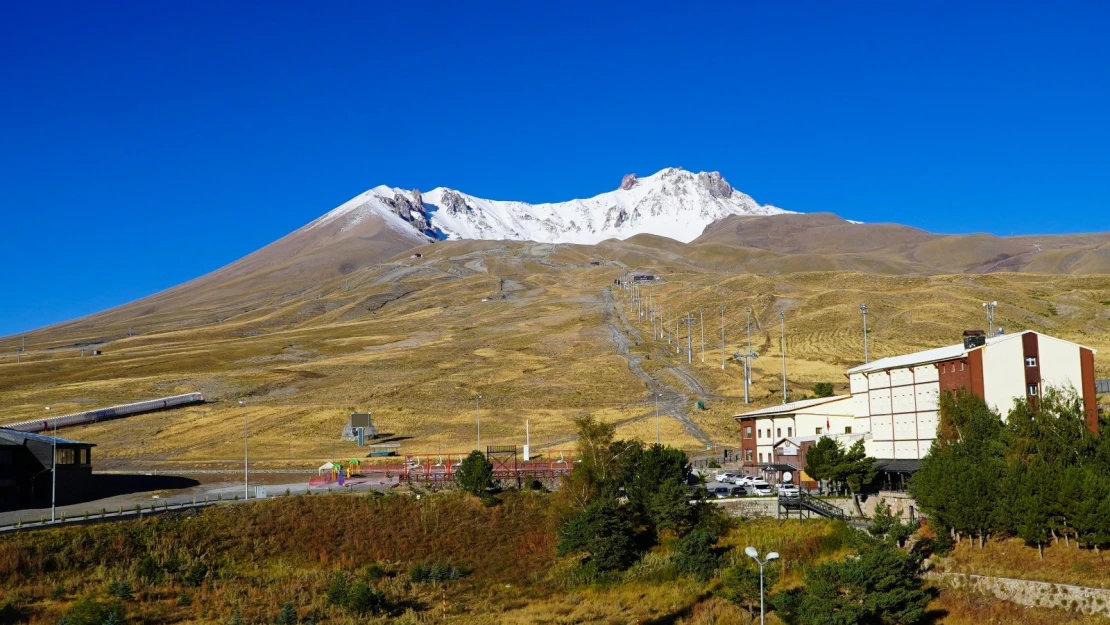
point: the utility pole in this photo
(863, 310)
(689, 339)
(478, 413)
(990, 317)
(722, 337)
(782, 319)
(657, 396)
(53, 469)
(748, 364)
(246, 474)
(701, 322)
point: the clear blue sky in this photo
(148, 143)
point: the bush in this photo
(740, 582)
(149, 571)
(362, 599)
(120, 590)
(696, 556)
(823, 389)
(184, 599)
(196, 574)
(337, 589)
(287, 616)
(603, 533)
(438, 572)
(89, 611)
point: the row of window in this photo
(64, 456)
(759, 432)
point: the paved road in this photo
(223, 491)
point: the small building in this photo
(26, 460)
(761, 430)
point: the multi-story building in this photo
(896, 399)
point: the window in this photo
(748, 431)
(790, 431)
(1031, 362)
(1032, 390)
(85, 456)
(961, 365)
(818, 431)
(66, 456)
(761, 457)
(848, 430)
(778, 432)
(759, 433)
(748, 456)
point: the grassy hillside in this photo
(252, 559)
(413, 341)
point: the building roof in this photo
(938, 354)
(792, 407)
(15, 437)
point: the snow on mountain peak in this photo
(673, 203)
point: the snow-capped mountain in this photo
(673, 203)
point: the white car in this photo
(725, 478)
(760, 488)
(789, 490)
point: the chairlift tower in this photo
(990, 317)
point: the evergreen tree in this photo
(602, 533)
(657, 488)
(475, 474)
(287, 616)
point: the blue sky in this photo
(144, 144)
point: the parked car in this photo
(720, 492)
(761, 488)
(724, 477)
(738, 491)
(789, 490)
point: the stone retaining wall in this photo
(1031, 593)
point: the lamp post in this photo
(863, 311)
(722, 337)
(478, 413)
(53, 468)
(246, 455)
(754, 555)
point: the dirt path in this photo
(672, 402)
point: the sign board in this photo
(259, 492)
(788, 477)
(527, 452)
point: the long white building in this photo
(895, 401)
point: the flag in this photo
(827, 426)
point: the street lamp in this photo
(53, 468)
(754, 555)
(478, 412)
(246, 474)
(782, 318)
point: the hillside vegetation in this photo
(412, 340)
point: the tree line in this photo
(1040, 474)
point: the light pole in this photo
(722, 337)
(990, 317)
(747, 361)
(754, 555)
(863, 311)
(782, 319)
(657, 396)
(53, 468)
(478, 412)
(701, 322)
(246, 455)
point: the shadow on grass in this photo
(681, 613)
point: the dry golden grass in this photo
(412, 341)
(1011, 558)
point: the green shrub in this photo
(337, 589)
(287, 616)
(362, 599)
(823, 389)
(696, 556)
(120, 590)
(196, 573)
(475, 474)
(89, 611)
(184, 599)
(149, 571)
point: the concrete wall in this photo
(1032, 593)
(1004, 373)
(1059, 364)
